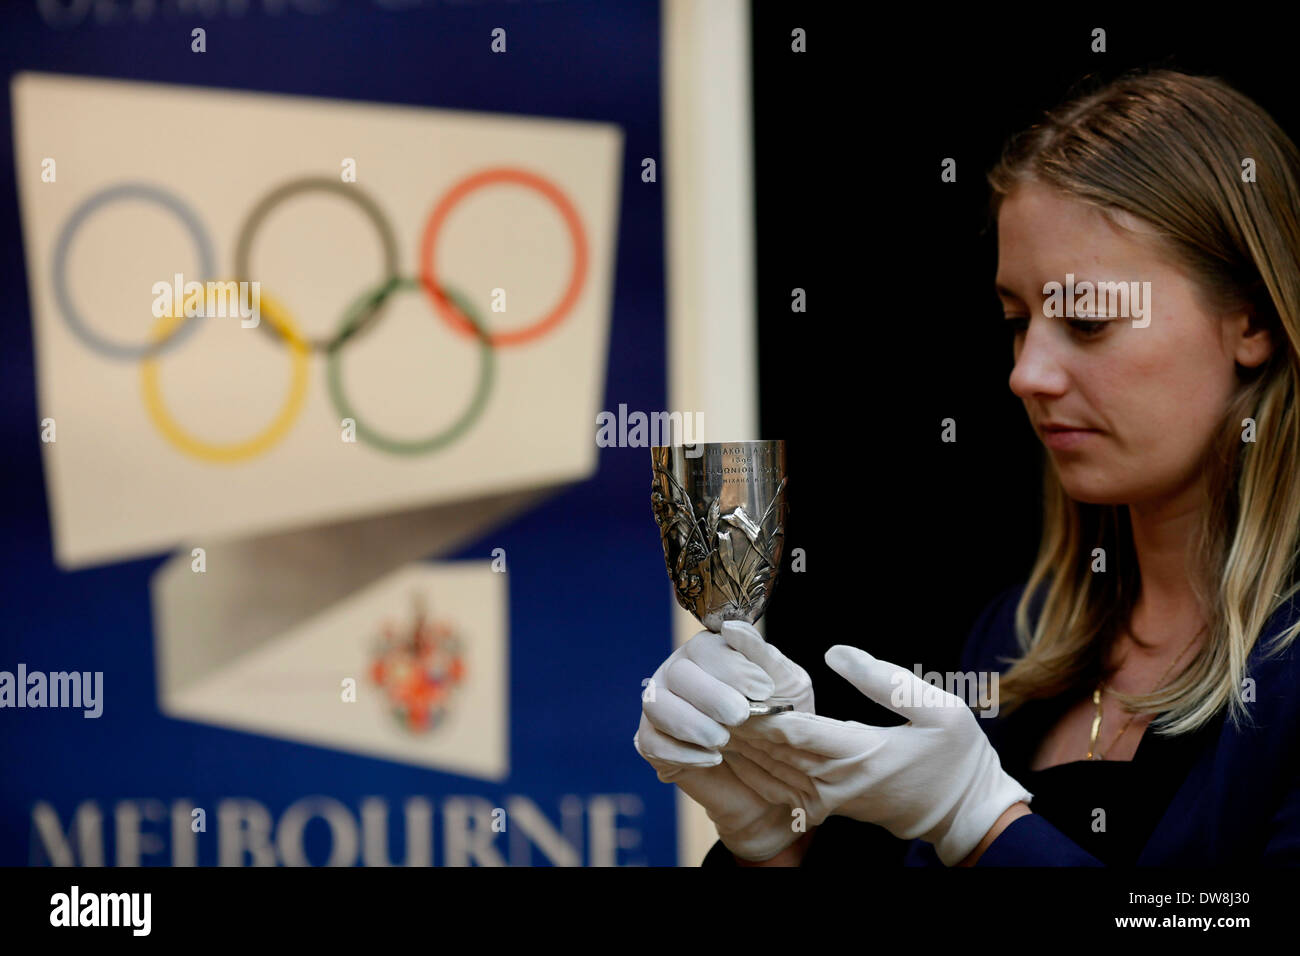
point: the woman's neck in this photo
(1166, 609)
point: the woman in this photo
(1149, 706)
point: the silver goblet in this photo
(720, 507)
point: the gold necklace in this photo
(1096, 699)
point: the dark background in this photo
(908, 538)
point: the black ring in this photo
(368, 206)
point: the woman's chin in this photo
(1086, 494)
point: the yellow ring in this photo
(228, 452)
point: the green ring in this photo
(352, 319)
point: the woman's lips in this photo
(1064, 439)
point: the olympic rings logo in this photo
(359, 317)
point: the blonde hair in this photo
(1170, 148)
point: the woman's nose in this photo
(1039, 369)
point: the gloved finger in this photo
(770, 787)
(792, 777)
(887, 684)
(712, 654)
(814, 733)
(682, 720)
(806, 762)
(731, 805)
(657, 747)
(803, 795)
(746, 639)
(706, 693)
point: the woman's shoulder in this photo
(1282, 619)
(1273, 665)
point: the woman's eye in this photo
(1089, 328)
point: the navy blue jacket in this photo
(1240, 803)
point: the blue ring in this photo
(102, 198)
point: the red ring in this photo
(458, 192)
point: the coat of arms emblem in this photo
(419, 668)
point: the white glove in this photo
(937, 777)
(695, 696)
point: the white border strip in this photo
(708, 172)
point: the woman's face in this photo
(1151, 395)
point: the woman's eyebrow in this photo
(1004, 291)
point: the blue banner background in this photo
(589, 602)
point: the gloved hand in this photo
(696, 695)
(937, 777)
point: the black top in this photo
(1108, 807)
(1131, 796)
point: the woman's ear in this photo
(1252, 340)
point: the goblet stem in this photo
(766, 708)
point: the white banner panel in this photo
(179, 428)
